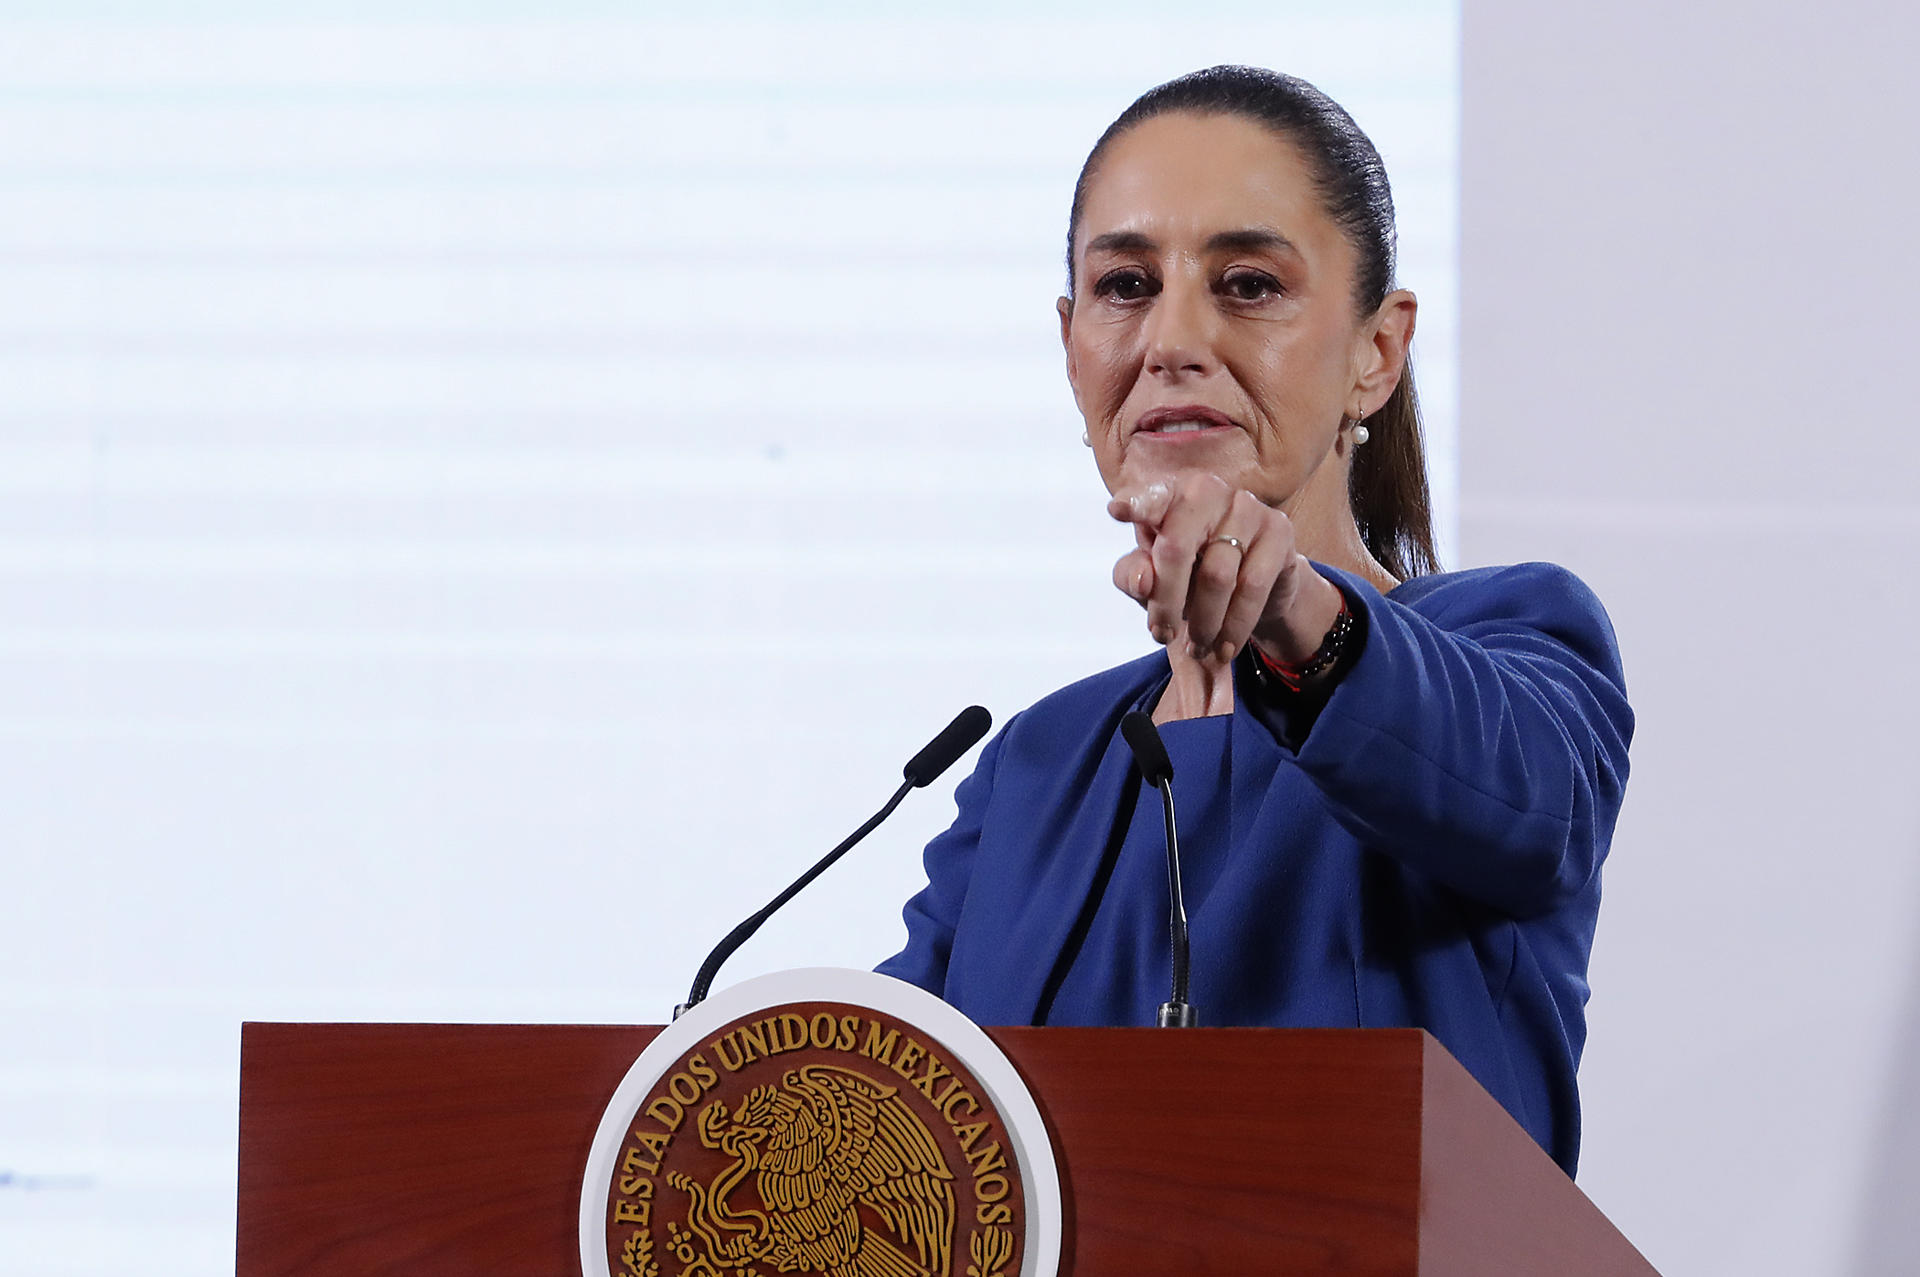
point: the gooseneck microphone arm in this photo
(922, 770)
(1176, 1012)
(742, 933)
(1150, 756)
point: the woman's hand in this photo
(1215, 568)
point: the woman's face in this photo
(1213, 326)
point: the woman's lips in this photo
(1183, 422)
(1184, 430)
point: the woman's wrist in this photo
(1292, 637)
(1305, 668)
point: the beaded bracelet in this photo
(1293, 676)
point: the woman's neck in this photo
(1333, 537)
(1199, 688)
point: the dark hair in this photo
(1387, 486)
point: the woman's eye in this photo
(1250, 286)
(1126, 285)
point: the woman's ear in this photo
(1381, 355)
(1065, 307)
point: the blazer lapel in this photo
(1038, 879)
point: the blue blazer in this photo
(1429, 855)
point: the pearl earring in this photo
(1361, 434)
(1086, 439)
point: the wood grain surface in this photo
(459, 1149)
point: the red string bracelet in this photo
(1293, 675)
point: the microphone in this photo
(959, 736)
(1150, 756)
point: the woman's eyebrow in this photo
(1120, 242)
(1256, 239)
(1253, 239)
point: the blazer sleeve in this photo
(933, 914)
(1480, 737)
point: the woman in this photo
(1396, 785)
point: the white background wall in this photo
(487, 490)
(435, 452)
(1687, 324)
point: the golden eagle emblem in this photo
(820, 1146)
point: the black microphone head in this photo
(959, 736)
(1149, 751)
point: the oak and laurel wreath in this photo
(637, 1256)
(989, 1249)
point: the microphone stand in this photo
(1176, 1012)
(1150, 757)
(703, 980)
(940, 753)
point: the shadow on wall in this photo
(1889, 1240)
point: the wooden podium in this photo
(458, 1149)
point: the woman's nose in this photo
(1179, 331)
